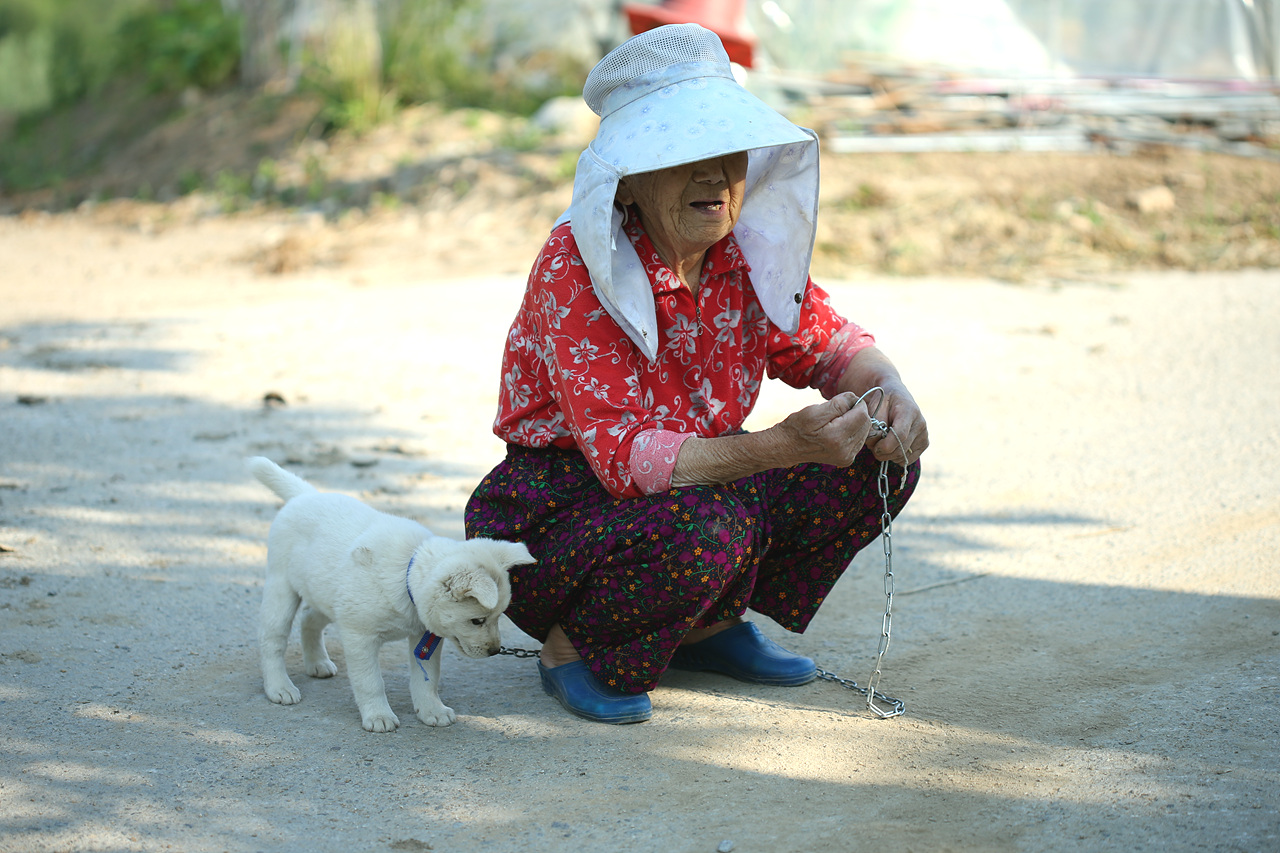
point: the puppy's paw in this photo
(283, 694)
(380, 722)
(439, 716)
(322, 669)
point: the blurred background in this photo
(987, 137)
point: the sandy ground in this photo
(1087, 610)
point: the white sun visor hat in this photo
(668, 97)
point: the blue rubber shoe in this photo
(747, 655)
(581, 694)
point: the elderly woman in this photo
(675, 281)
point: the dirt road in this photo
(1087, 609)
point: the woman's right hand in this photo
(832, 432)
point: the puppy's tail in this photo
(278, 480)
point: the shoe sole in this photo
(794, 681)
(613, 721)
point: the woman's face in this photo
(688, 209)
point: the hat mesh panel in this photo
(652, 51)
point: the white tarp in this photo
(1171, 39)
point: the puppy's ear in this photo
(474, 584)
(516, 554)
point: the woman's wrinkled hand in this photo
(909, 434)
(831, 433)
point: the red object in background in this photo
(725, 18)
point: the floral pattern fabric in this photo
(627, 578)
(571, 378)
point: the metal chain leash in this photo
(877, 703)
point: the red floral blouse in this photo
(572, 378)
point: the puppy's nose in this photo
(493, 650)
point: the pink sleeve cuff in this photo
(653, 458)
(840, 350)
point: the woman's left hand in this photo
(893, 404)
(908, 433)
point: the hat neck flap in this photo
(775, 232)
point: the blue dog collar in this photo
(426, 646)
(430, 642)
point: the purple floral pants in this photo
(627, 579)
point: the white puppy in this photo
(379, 578)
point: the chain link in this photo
(878, 703)
(886, 625)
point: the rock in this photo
(1157, 199)
(568, 117)
(1080, 223)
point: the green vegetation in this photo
(370, 58)
(53, 53)
(429, 51)
(58, 54)
(365, 63)
(187, 43)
